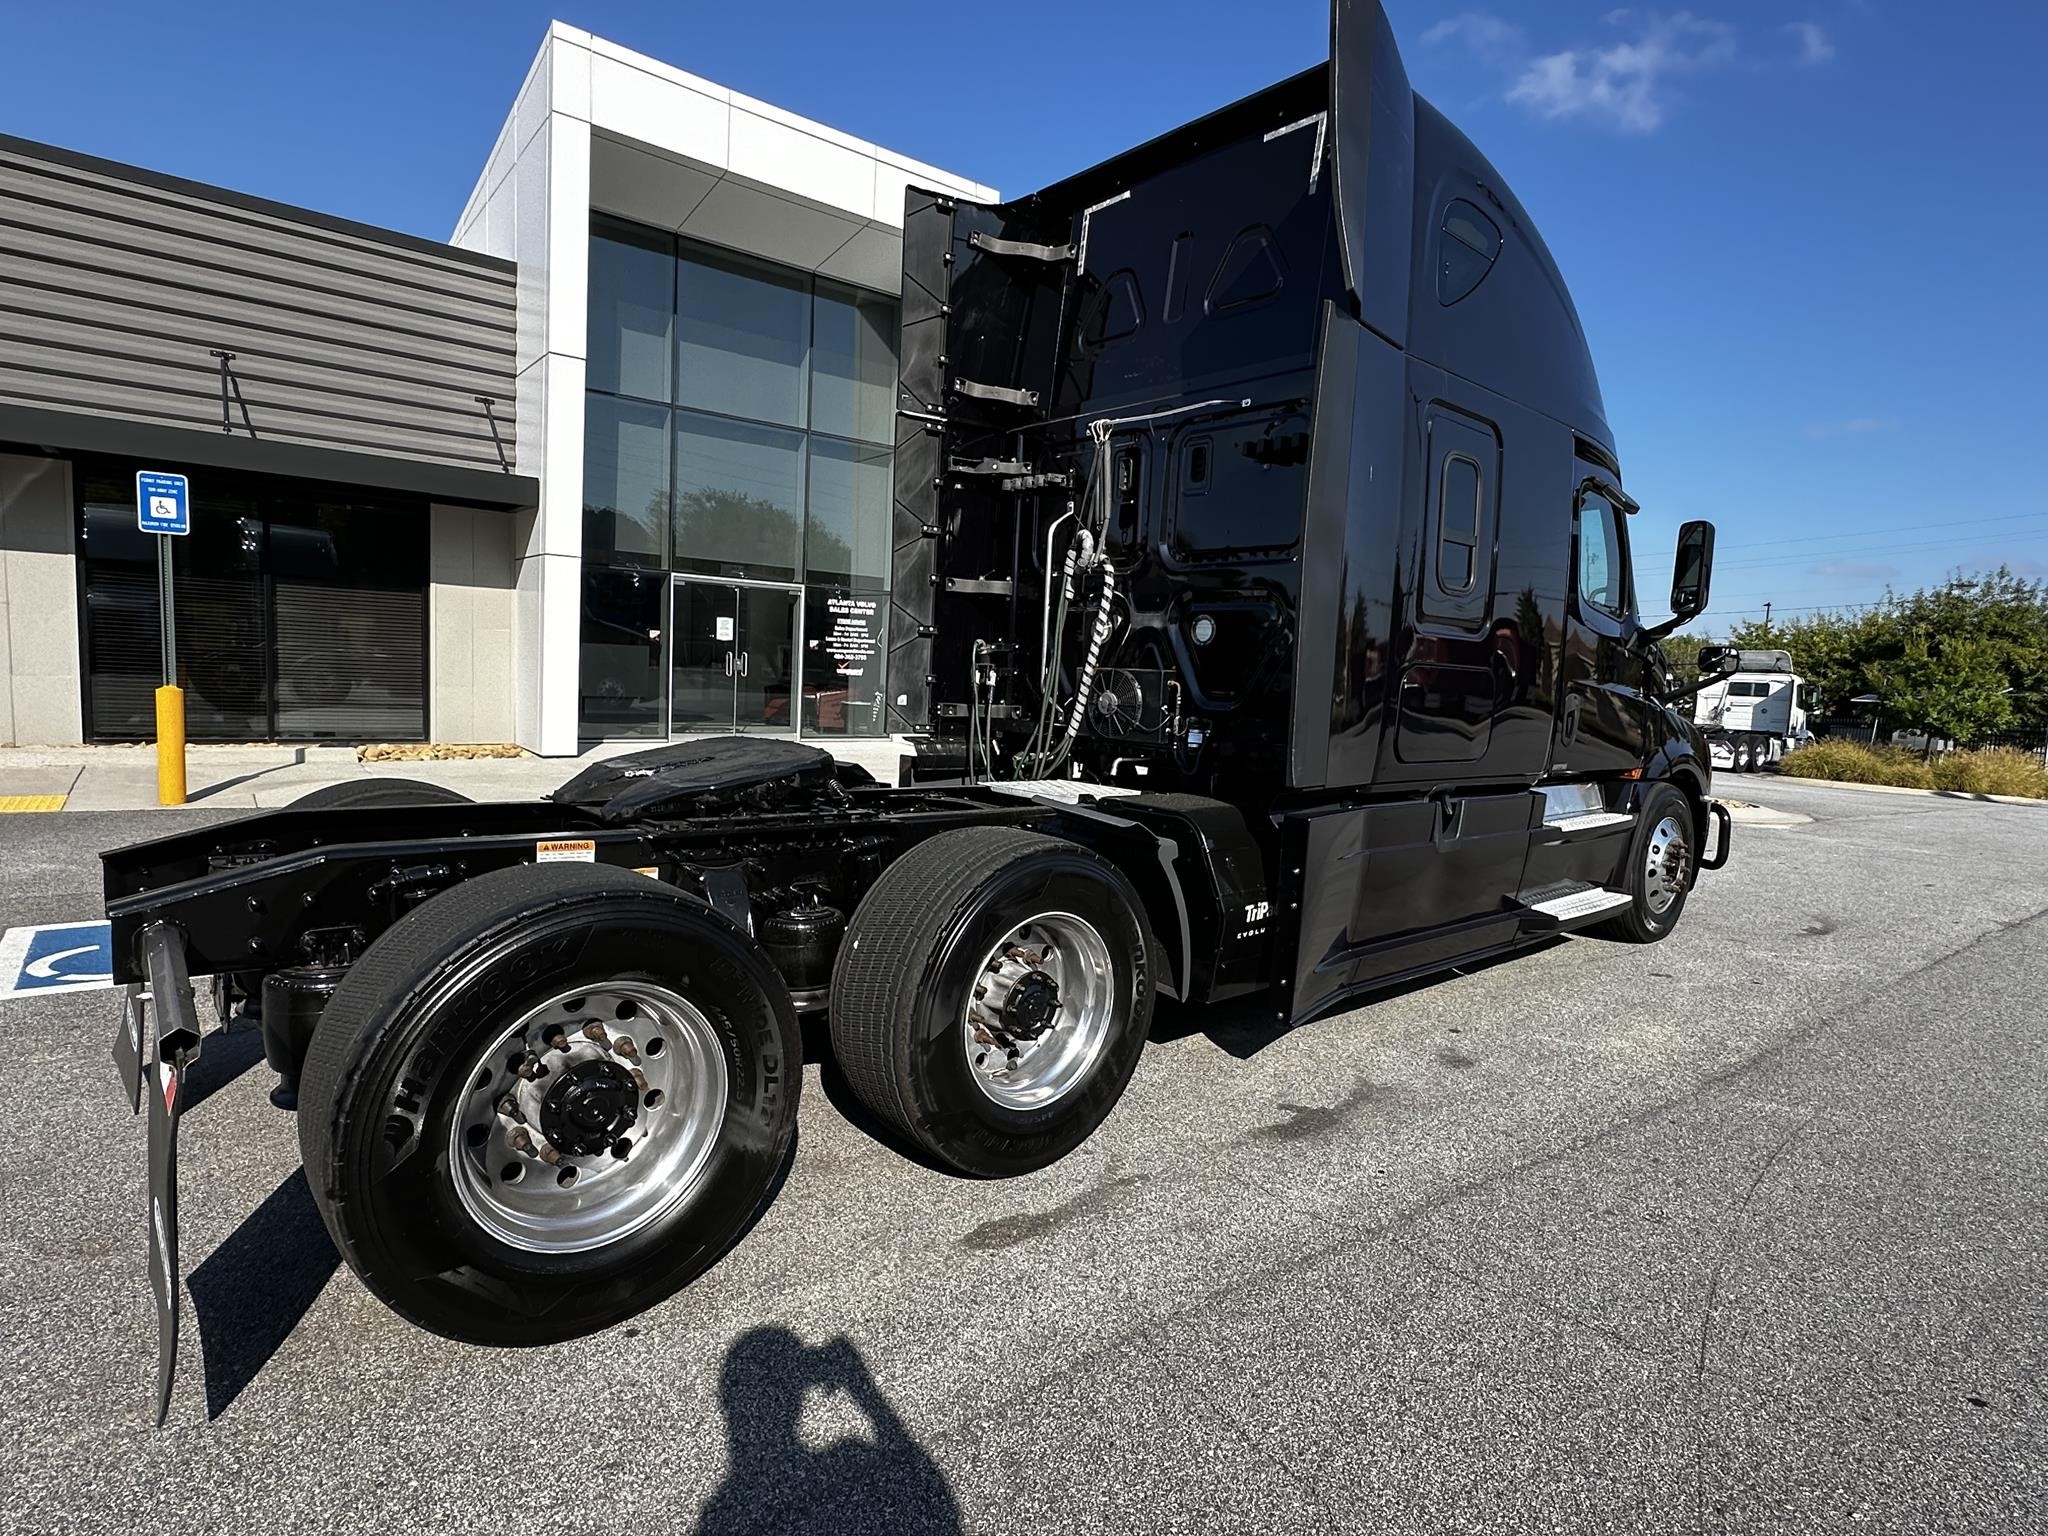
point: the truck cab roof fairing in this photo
(1515, 331)
(1372, 154)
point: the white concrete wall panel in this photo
(39, 622)
(805, 164)
(633, 103)
(471, 612)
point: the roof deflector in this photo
(1372, 115)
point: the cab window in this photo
(1603, 556)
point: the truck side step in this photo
(1587, 820)
(1571, 901)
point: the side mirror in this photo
(1692, 573)
(1719, 660)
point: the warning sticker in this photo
(565, 850)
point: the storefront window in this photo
(743, 336)
(739, 497)
(632, 311)
(623, 615)
(851, 492)
(738, 430)
(625, 481)
(853, 365)
(301, 609)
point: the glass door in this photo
(733, 658)
(769, 665)
(704, 658)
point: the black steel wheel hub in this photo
(589, 1106)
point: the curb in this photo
(1904, 789)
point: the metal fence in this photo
(1851, 728)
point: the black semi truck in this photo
(1262, 617)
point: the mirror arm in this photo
(1687, 690)
(1659, 631)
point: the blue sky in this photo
(1802, 236)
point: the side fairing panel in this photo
(1350, 596)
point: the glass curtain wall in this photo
(738, 427)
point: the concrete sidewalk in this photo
(123, 778)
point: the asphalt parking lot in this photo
(1744, 1231)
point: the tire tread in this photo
(402, 958)
(889, 947)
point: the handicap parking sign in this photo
(163, 503)
(56, 957)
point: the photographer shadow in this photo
(878, 1481)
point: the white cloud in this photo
(1852, 426)
(1625, 85)
(1812, 38)
(1498, 43)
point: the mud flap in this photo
(160, 1058)
(165, 1087)
(128, 1053)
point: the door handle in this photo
(743, 663)
(728, 663)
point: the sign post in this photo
(163, 506)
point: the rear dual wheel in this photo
(992, 996)
(546, 1099)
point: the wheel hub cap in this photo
(1668, 865)
(1041, 1012)
(590, 1107)
(589, 1117)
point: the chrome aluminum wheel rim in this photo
(1041, 1011)
(1667, 865)
(589, 1117)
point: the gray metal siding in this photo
(115, 285)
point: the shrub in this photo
(1993, 771)
(1851, 762)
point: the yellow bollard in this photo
(170, 746)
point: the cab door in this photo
(1451, 680)
(1604, 705)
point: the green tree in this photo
(1951, 686)
(1964, 660)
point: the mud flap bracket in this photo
(1724, 830)
(158, 1041)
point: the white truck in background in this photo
(1755, 715)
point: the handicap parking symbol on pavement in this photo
(56, 957)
